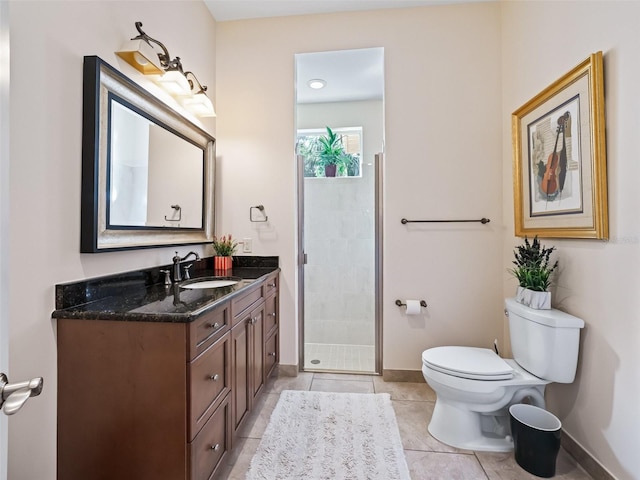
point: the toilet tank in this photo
(544, 342)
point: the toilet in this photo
(475, 387)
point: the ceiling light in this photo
(316, 83)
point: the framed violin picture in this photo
(559, 158)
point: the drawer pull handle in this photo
(253, 320)
(215, 447)
(214, 325)
(272, 314)
(271, 354)
(272, 285)
(214, 377)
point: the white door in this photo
(4, 216)
(13, 394)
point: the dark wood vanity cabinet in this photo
(271, 324)
(247, 350)
(160, 400)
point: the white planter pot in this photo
(533, 299)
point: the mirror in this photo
(147, 172)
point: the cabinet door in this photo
(270, 354)
(257, 350)
(240, 373)
(271, 315)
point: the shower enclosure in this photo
(339, 225)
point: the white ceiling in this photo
(351, 75)
(224, 10)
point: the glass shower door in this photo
(340, 275)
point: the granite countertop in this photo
(143, 296)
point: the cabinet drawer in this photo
(240, 304)
(209, 447)
(271, 347)
(271, 315)
(271, 285)
(209, 382)
(205, 330)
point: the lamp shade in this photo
(141, 56)
(174, 82)
(200, 104)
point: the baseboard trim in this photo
(584, 458)
(288, 370)
(413, 376)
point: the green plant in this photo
(224, 246)
(309, 148)
(533, 268)
(331, 149)
(352, 165)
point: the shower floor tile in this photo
(341, 358)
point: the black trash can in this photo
(536, 439)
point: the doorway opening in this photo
(339, 211)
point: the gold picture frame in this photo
(559, 158)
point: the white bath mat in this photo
(332, 436)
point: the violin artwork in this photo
(552, 174)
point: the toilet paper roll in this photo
(413, 307)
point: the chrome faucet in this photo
(177, 275)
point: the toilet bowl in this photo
(475, 387)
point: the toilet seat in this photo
(467, 362)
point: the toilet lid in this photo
(468, 362)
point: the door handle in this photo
(14, 395)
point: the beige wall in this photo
(443, 160)
(598, 281)
(48, 41)
(453, 76)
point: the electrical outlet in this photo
(246, 245)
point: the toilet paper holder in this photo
(400, 304)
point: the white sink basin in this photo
(208, 283)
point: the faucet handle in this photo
(167, 276)
(187, 276)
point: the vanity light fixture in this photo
(174, 80)
(139, 53)
(317, 83)
(166, 72)
(198, 103)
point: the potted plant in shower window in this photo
(332, 153)
(533, 269)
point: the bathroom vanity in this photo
(154, 381)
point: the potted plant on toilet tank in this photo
(533, 269)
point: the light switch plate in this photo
(246, 245)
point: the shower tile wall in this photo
(340, 270)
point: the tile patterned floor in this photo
(345, 358)
(413, 404)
